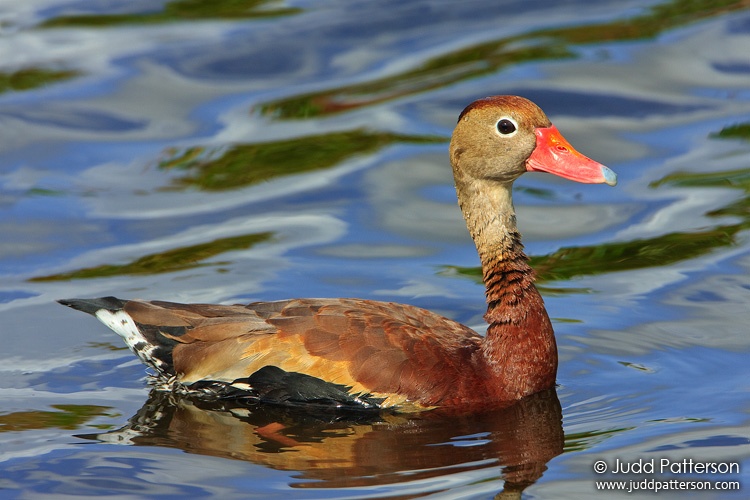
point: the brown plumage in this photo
(363, 354)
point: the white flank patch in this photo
(123, 325)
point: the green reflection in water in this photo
(737, 131)
(32, 78)
(727, 178)
(37, 191)
(572, 262)
(179, 10)
(436, 73)
(176, 259)
(66, 417)
(247, 164)
(491, 57)
(663, 250)
(657, 20)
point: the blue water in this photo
(653, 334)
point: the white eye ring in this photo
(506, 127)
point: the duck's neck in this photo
(519, 349)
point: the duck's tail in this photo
(153, 349)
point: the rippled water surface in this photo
(231, 151)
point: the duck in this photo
(348, 354)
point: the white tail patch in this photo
(124, 326)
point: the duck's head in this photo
(501, 137)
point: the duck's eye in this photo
(506, 126)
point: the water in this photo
(127, 131)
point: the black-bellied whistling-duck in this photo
(364, 354)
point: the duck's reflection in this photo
(332, 451)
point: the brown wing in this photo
(392, 351)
